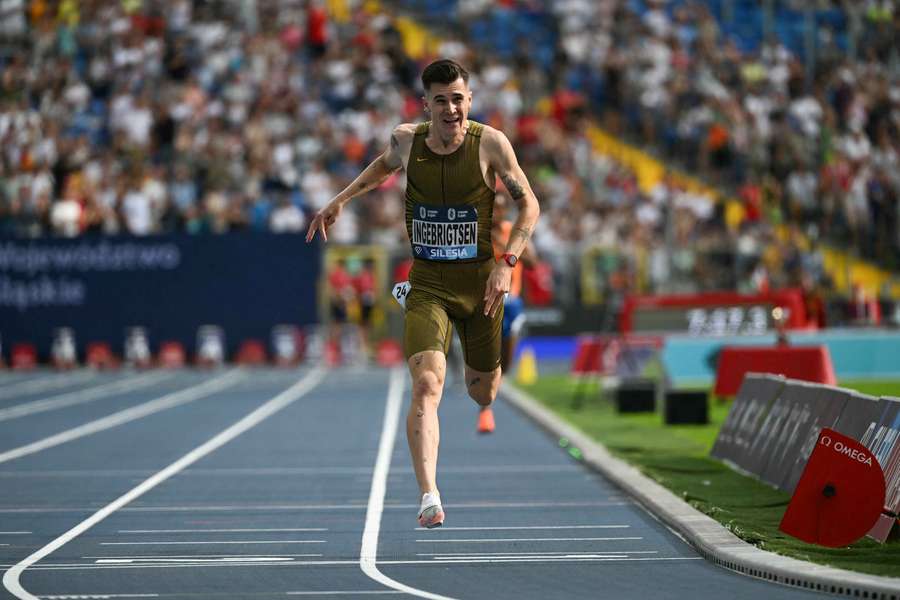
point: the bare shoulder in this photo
(404, 132)
(493, 136)
(496, 146)
(397, 154)
(495, 141)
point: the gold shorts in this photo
(447, 295)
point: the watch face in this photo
(511, 259)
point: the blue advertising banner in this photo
(244, 282)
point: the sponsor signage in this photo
(824, 411)
(799, 401)
(861, 413)
(775, 428)
(170, 285)
(883, 439)
(840, 495)
(714, 314)
(749, 411)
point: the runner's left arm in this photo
(502, 159)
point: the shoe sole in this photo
(431, 517)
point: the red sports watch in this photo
(510, 259)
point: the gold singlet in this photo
(449, 209)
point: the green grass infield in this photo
(677, 457)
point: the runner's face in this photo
(449, 105)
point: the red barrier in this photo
(587, 355)
(171, 355)
(332, 353)
(99, 356)
(389, 353)
(23, 356)
(808, 363)
(251, 353)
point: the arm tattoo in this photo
(391, 158)
(522, 233)
(515, 189)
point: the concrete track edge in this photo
(713, 541)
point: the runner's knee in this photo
(427, 386)
(482, 387)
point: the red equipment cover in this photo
(100, 356)
(24, 356)
(807, 363)
(840, 495)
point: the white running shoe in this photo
(431, 513)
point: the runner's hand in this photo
(496, 288)
(324, 219)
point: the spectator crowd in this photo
(142, 117)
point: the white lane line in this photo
(482, 505)
(264, 472)
(525, 554)
(15, 532)
(470, 469)
(294, 507)
(343, 593)
(528, 527)
(301, 529)
(368, 552)
(253, 556)
(501, 540)
(333, 563)
(129, 414)
(285, 398)
(170, 543)
(79, 473)
(98, 596)
(536, 557)
(48, 383)
(105, 561)
(82, 396)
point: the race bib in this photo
(401, 290)
(444, 233)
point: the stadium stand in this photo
(211, 117)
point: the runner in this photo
(451, 167)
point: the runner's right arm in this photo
(388, 162)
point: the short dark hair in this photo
(443, 71)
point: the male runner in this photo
(451, 167)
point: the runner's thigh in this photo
(427, 326)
